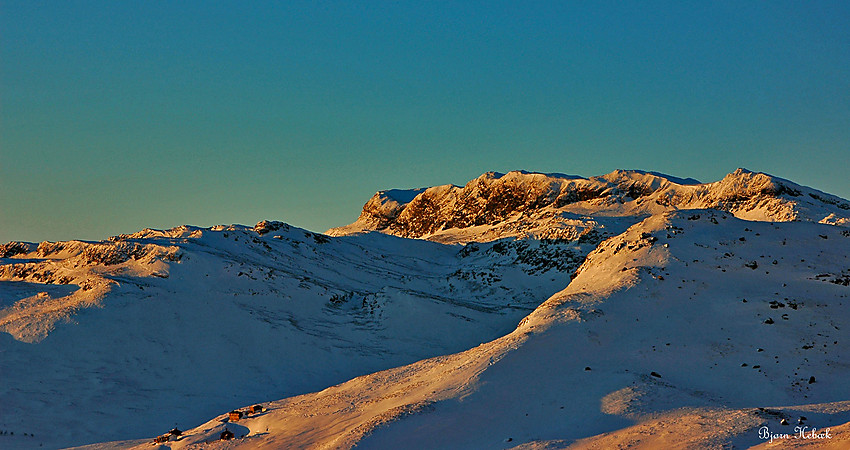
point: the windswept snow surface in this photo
(534, 311)
(124, 338)
(690, 330)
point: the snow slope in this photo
(126, 337)
(691, 329)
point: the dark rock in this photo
(267, 226)
(15, 248)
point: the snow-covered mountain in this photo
(559, 206)
(536, 310)
(119, 338)
(692, 329)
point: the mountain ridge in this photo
(522, 203)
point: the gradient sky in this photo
(117, 116)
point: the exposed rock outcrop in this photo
(523, 204)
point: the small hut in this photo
(226, 435)
(162, 438)
(175, 432)
(234, 415)
(257, 409)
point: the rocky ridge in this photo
(555, 206)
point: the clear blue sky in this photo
(117, 116)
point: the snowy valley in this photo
(522, 310)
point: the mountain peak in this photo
(521, 203)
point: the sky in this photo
(117, 116)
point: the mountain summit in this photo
(545, 206)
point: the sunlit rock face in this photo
(523, 204)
